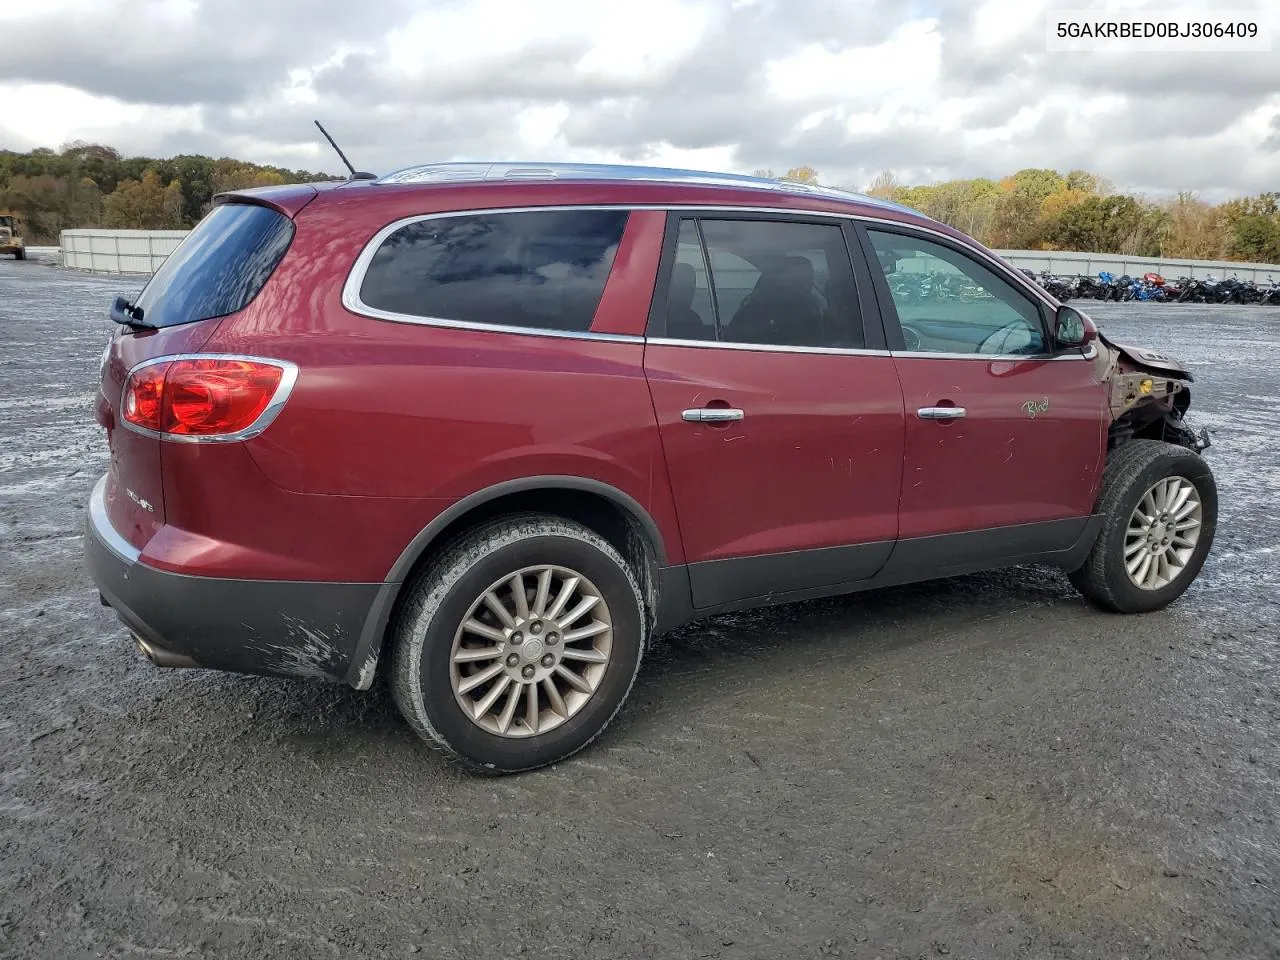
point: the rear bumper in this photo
(270, 627)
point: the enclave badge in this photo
(145, 505)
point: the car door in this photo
(781, 420)
(1001, 429)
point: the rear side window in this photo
(219, 267)
(690, 313)
(541, 269)
(772, 282)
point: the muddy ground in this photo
(984, 767)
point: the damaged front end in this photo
(1149, 396)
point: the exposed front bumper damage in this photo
(1149, 396)
(269, 627)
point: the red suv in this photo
(493, 427)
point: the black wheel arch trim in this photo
(368, 649)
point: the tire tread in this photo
(1124, 466)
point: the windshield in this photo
(219, 267)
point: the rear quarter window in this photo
(541, 269)
(219, 267)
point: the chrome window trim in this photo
(1028, 357)
(860, 352)
(355, 276)
(283, 390)
(376, 314)
(101, 523)
(355, 279)
(765, 347)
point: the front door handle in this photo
(712, 415)
(940, 413)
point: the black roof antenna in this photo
(355, 174)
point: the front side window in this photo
(947, 302)
(770, 282)
(541, 269)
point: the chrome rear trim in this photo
(117, 544)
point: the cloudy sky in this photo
(932, 89)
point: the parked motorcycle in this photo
(1235, 290)
(1151, 287)
(1056, 286)
(1144, 289)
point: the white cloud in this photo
(929, 88)
(904, 68)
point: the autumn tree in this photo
(884, 186)
(88, 184)
(84, 203)
(1016, 220)
(195, 173)
(233, 175)
(146, 204)
(801, 175)
(52, 190)
(1195, 230)
(1256, 237)
(40, 202)
(92, 161)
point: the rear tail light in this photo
(206, 397)
(142, 395)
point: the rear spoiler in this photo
(288, 199)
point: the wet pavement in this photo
(983, 767)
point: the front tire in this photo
(519, 644)
(1160, 504)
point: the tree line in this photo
(1036, 209)
(92, 185)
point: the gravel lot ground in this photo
(983, 767)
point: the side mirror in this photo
(121, 311)
(1071, 328)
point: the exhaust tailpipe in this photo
(162, 658)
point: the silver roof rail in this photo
(478, 172)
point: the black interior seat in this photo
(781, 308)
(683, 322)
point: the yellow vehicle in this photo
(10, 242)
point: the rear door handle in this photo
(940, 413)
(712, 415)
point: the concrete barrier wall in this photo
(1066, 263)
(142, 251)
(118, 251)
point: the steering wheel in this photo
(911, 338)
(1012, 338)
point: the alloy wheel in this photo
(1162, 534)
(531, 651)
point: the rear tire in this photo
(514, 722)
(20, 255)
(1160, 504)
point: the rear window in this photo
(543, 269)
(219, 267)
